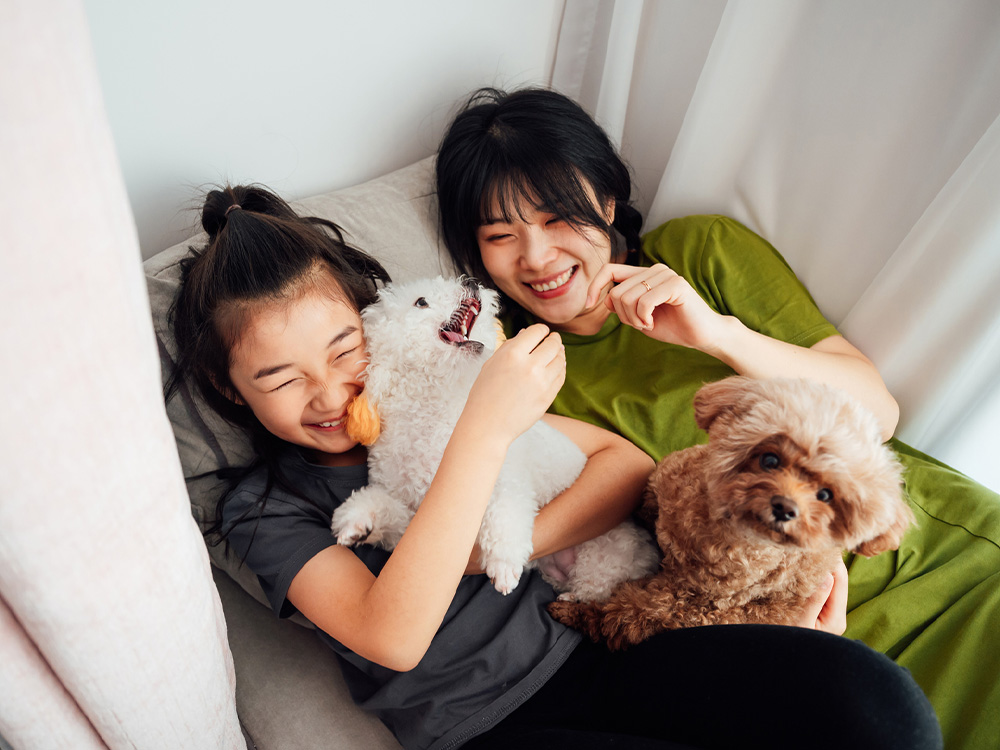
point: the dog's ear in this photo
(363, 422)
(890, 538)
(729, 395)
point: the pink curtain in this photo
(111, 631)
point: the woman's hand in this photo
(663, 305)
(826, 610)
(518, 383)
(659, 302)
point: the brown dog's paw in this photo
(576, 615)
(566, 612)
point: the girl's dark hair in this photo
(528, 147)
(259, 251)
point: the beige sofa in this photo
(289, 690)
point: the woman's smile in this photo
(553, 286)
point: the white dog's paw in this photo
(352, 524)
(568, 596)
(504, 575)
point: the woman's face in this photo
(546, 265)
(298, 365)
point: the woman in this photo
(533, 196)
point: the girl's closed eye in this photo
(278, 388)
(352, 350)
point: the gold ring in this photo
(646, 285)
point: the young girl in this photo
(269, 330)
(534, 196)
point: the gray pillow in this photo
(394, 218)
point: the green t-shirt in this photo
(933, 606)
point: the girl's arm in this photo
(607, 491)
(664, 305)
(390, 619)
(605, 494)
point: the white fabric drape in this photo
(111, 630)
(860, 138)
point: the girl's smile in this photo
(331, 425)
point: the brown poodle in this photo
(750, 524)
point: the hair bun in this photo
(215, 212)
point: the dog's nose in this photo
(783, 509)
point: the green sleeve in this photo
(739, 273)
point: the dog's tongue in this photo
(453, 336)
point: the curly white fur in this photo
(418, 379)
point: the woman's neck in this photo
(586, 323)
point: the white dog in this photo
(427, 341)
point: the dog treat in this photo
(427, 341)
(794, 473)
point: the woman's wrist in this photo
(727, 343)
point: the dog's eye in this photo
(770, 461)
(824, 495)
(421, 302)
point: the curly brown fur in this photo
(794, 473)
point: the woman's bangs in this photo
(551, 188)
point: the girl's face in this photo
(546, 265)
(297, 365)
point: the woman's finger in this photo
(833, 617)
(816, 603)
(635, 298)
(609, 273)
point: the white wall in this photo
(304, 96)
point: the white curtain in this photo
(861, 138)
(111, 630)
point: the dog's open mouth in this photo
(456, 330)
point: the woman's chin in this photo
(554, 309)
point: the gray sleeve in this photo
(277, 541)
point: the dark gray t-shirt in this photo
(491, 653)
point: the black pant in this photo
(724, 686)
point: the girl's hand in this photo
(519, 382)
(826, 610)
(659, 302)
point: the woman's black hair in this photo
(532, 147)
(258, 251)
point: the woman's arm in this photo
(834, 361)
(390, 619)
(666, 307)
